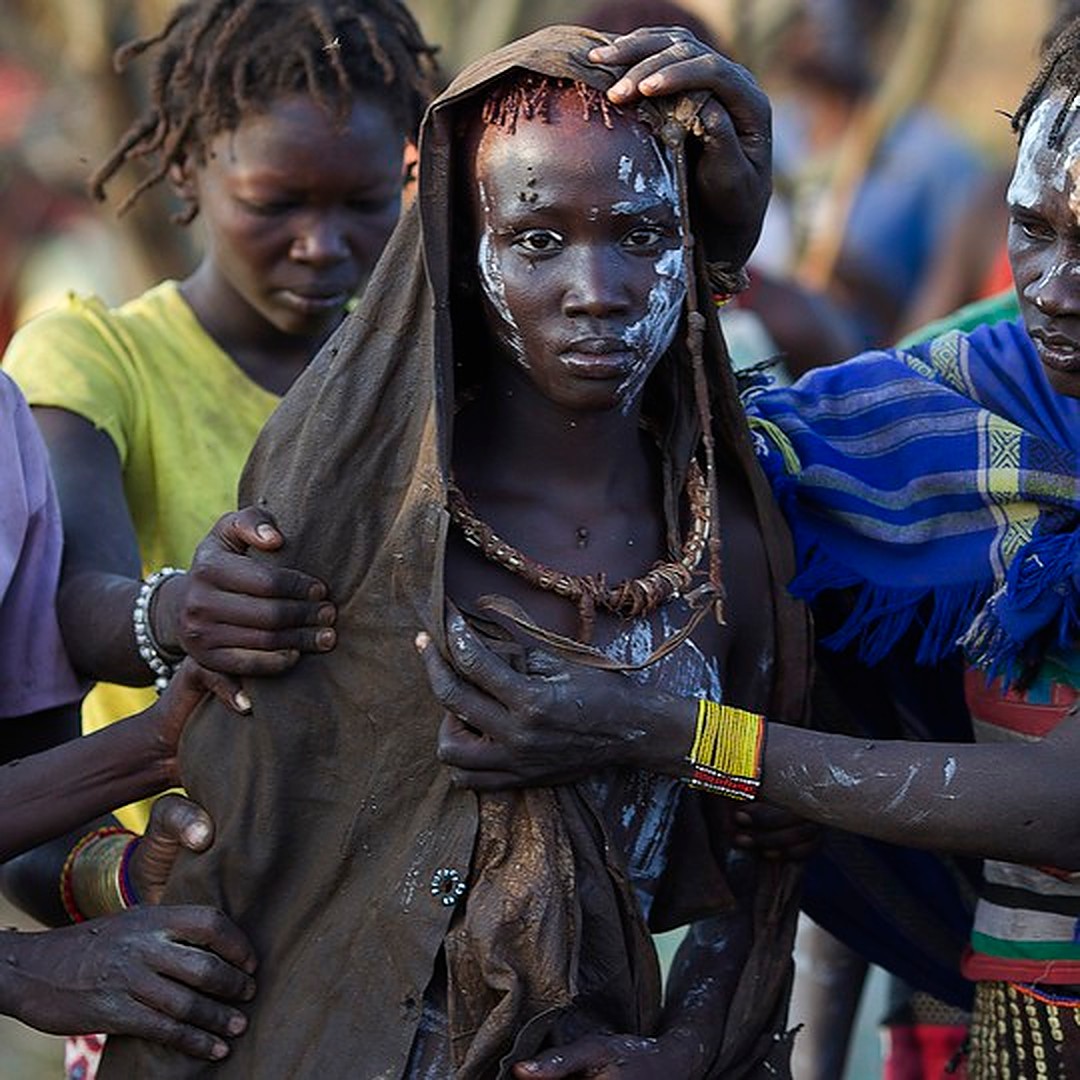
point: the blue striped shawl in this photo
(942, 484)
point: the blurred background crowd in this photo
(910, 88)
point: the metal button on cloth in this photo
(447, 885)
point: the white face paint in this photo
(491, 280)
(652, 334)
(1037, 164)
(579, 256)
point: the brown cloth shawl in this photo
(340, 843)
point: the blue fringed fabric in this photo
(941, 483)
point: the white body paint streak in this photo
(842, 777)
(648, 814)
(491, 280)
(651, 335)
(949, 770)
(1025, 184)
(626, 167)
(901, 793)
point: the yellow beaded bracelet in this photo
(727, 751)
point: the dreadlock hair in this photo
(217, 60)
(529, 97)
(1060, 70)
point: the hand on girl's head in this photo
(734, 174)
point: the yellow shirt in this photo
(183, 417)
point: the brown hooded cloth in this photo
(341, 847)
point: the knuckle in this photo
(201, 970)
(194, 611)
(280, 613)
(291, 583)
(445, 688)
(444, 750)
(467, 659)
(532, 710)
(218, 923)
(186, 1039)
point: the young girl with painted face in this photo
(530, 417)
(940, 484)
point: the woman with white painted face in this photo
(941, 483)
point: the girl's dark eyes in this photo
(547, 241)
(539, 241)
(644, 236)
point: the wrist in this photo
(727, 753)
(685, 1051)
(157, 730)
(165, 609)
(663, 725)
(95, 879)
(153, 625)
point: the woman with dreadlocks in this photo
(940, 484)
(530, 416)
(282, 125)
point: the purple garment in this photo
(34, 670)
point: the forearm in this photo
(1010, 801)
(31, 881)
(95, 610)
(11, 949)
(938, 796)
(700, 987)
(123, 763)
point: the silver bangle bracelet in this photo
(160, 661)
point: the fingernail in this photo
(197, 834)
(242, 701)
(267, 532)
(529, 1066)
(597, 52)
(237, 1024)
(653, 82)
(317, 591)
(325, 639)
(621, 88)
(327, 614)
(422, 641)
(218, 1051)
